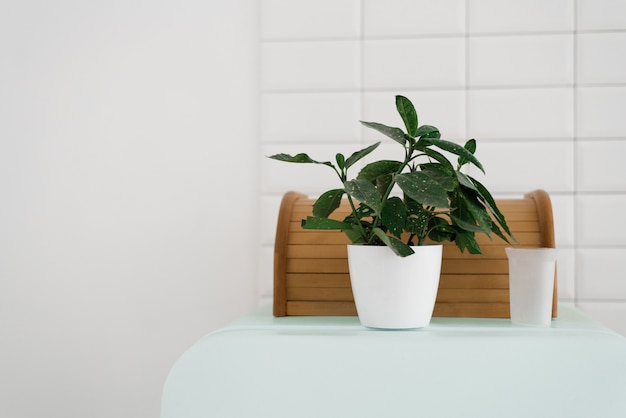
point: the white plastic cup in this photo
(531, 285)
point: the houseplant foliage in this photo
(439, 201)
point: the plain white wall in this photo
(128, 214)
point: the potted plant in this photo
(438, 202)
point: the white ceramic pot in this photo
(394, 292)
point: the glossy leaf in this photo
(312, 222)
(393, 215)
(397, 246)
(298, 158)
(365, 192)
(360, 154)
(327, 202)
(421, 188)
(456, 149)
(427, 131)
(491, 204)
(470, 145)
(396, 134)
(409, 115)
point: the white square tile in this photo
(610, 314)
(520, 167)
(502, 16)
(412, 63)
(444, 109)
(600, 220)
(310, 65)
(601, 273)
(600, 165)
(563, 215)
(601, 14)
(600, 111)
(278, 177)
(600, 58)
(521, 60)
(400, 18)
(310, 117)
(304, 19)
(521, 113)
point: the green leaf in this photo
(327, 203)
(409, 115)
(427, 131)
(299, 158)
(441, 176)
(491, 204)
(396, 134)
(360, 154)
(365, 192)
(380, 173)
(312, 222)
(379, 168)
(421, 188)
(439, 157)
(393, 215)
(465, 240)
(417, 218)
(440, 230)
(465, 181)
(397, 246)
(456, 149)
(341, 161)
(470, 145)
(471, 211)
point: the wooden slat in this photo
(325, 265)
(319, 293)
(473, 310)
(473, 295)
(317, 251)
(318, 280)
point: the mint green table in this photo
(298, 367)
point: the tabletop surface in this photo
(262, 366)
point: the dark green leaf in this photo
(465, 240)
(312, 222)
(299, 158)
(341, 161)
(491, 204)
(417, 218)
(397, 246)
(393, 215)
(396, 134)
(379, 168)
(439, 157)
(465, 181)
(470, 145)
(408, 114)
(456, 149)
(421, 188)
(327, 203)
(427, 131)
(365, 192)
(441, 176)
(440, 230)
(360, 154)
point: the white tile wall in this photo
(404, 18)
(509, 16)
(521, 113)
(521, 60)
(414, 63)
(540, 84)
